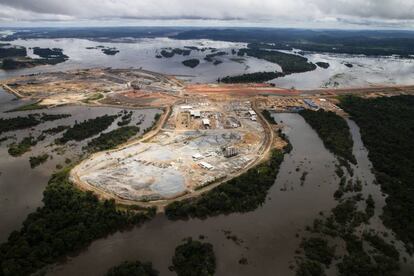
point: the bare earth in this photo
(208, 134)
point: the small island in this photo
(192, 63)
(323, 65)
(15, 57)
(110, 51)
(194, 258)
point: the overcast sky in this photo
(301, 13)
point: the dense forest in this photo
(69, 220)
(257, 77)
(323, 65)
(210, 57)
(15, 57)
(365, 42)
(387, 130)
(169, 53)
(8, 50)
(194, 258)
(192, 63)
(19, 122)
(110, 51)
(241, 194)
(357, 42)
(17, 149)
(333, 130)
(112, 139)
(132, 269)
(38, 160)
(86, 129)
(289, 63)
(49, 53)
(366, 253)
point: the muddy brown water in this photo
(267, 237)
(21, 188)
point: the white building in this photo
(206, 165)
(206, 122)
(197, 156)
(197, 114)
(186, 107)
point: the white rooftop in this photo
(206, 122)
(186, 107)
(197, 156)
(206, 165)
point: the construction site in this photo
(98, 85)
(208, 134)
(202, 142)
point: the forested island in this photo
(37, 160)
(111, 139)
(132, 269)
(323, 65)
(110, 51)
(192, 63)
(194, 258)
(7, 50)
(257, 77)
(333, 130)
(15, 57)
(69, 220)
(169, 53)
(289, 63)
(387, 131)
(31, 120)
(86, 129)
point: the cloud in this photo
(245, 10)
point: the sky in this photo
(272, 13)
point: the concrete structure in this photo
(186, 107)
(206, 165)
(230, 152)
(186, 154)
(197, 156)
(311, 103)
(197, 114)
(206, 122)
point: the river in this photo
(267, 236)
(365, 71)
(21, 188)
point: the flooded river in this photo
(21, 188)
(266, 237)
(365, 71)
